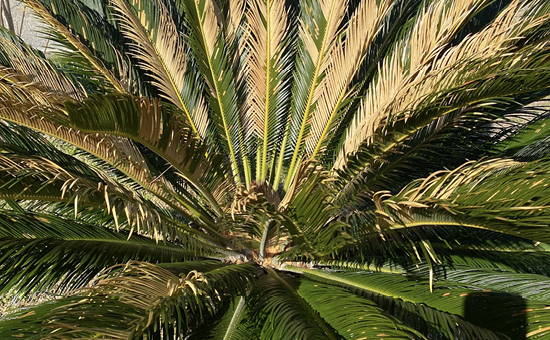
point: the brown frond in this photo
(234, 17)
(256, 57)
(210, 26)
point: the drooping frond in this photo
(37, 69)
(512, 193)
(147, 297)
(483, 94)
(48, 115)
(150, 124)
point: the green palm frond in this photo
(30, 63)
(268, 55)
(34, 242)
(319, 28)
(442, 307)
(103, 40)
(284, 314)
(351, 315)
(226, 328)
(208, 46)
(152, 26)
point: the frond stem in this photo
(235, 319)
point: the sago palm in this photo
(271, 169)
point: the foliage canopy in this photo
(269, 169)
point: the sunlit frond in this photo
(339, 67)
(157, 44)
(318, 31)
(266, 45)
(417, 65)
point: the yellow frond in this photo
(256, 60)
(235, 14)
(210, 25)
(267, 28)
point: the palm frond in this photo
(319, 28)
(152, 301)
(528, 286)
(28, 62)
(225, 328)
(284, 314)
(92, 25)
(441, 308)
(352, 315)
(481, 45)
(152, 125)
(504, 190)
(32, 265)
(156, 43)
(342, 61)
(97, 64)
(513, 261)
(208, 46)
(396, 24)
(21, 107)
(42, 177)
(34, 242)
(267, 69)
